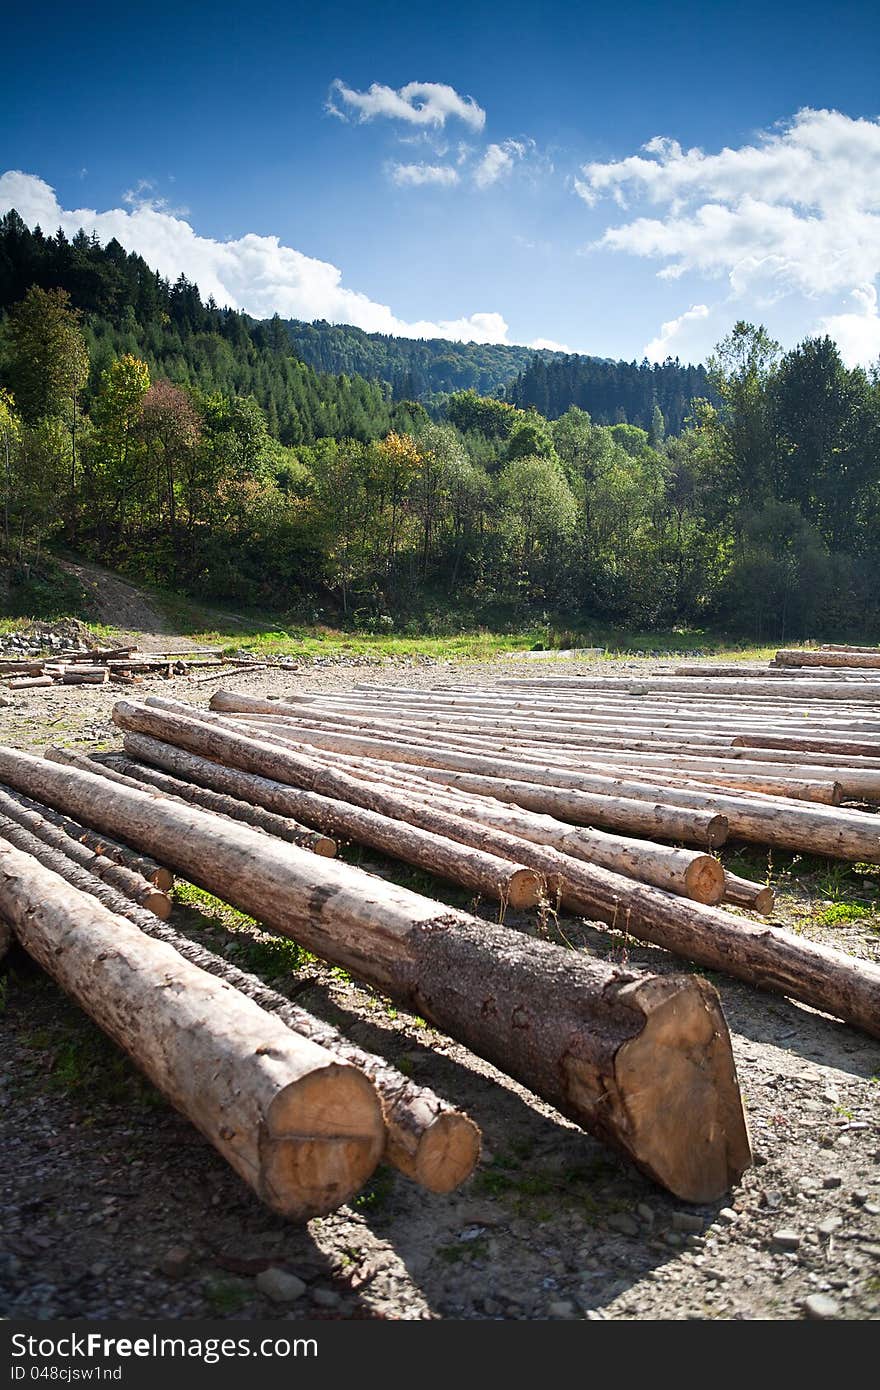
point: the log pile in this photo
(603, 797)
(642, 1061)
(121, 665)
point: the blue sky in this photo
(474, 169)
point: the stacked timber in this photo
(642, 1061)
(275, 772)
(96, 667)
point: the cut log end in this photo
(447, 1153)
(323, 1136)
(325, 847)
(717, 832)
(676, 1083)
(523, 889)
(163, 879)
(157, 902)
(765, 900)
(704, 880)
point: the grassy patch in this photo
(841, 912)
(538, 1194)
(225, 1296)
(266, 955)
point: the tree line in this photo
(760, 515)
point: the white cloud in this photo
(549, 345)
(497, 162)
(254, 273)
(856, 334)
(798, 210)
(665, 344)
(418, 103)
(415, 175)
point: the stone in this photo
(622, 1222)
(786, 1239)
(175, 1261)
(646, 1214)
(832, 1180)
(279, 1285)
(561, 1308)
(687, 1221)
(820, 1306)
(326, 1298)
(829, 1225)
(727, 1216)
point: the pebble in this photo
(279, 1285)
(785, 1239)
(176, 1261)
(562, 1308)
(620, 1221)
(820, 1306)
(326, 1298)
(687, 1221)
(829, 1225)
(832, 1180)
(646, 1213)
(727, 1216)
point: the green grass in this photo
(840, 912)
(437, 633)
(268, 956)
(225, 1296)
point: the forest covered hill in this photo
(189, 445)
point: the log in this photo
(129, 773)
(29, 682)
(427, 848)
(783, 962)
(74, 678)
(302, 1128)
(689, 873)
(842, 749)
(840, 833)
(618, 813)
(32, 816)
(139, 864)
(427, 1139)
(866, 660)
(743, 892)
(843, 647)
(688, 685)
(788, 781)
(642, 1061)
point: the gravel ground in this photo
(115, 1206)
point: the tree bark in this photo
(303, 1129)
(743, 892)
(426, 848)
(128, 773)
(427, 1139)
(826, 980)
(864, 659)
(134, 886)
(643, 1062)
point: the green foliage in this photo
(210, 460)
(840, 913)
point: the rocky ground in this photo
(114, 1206)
